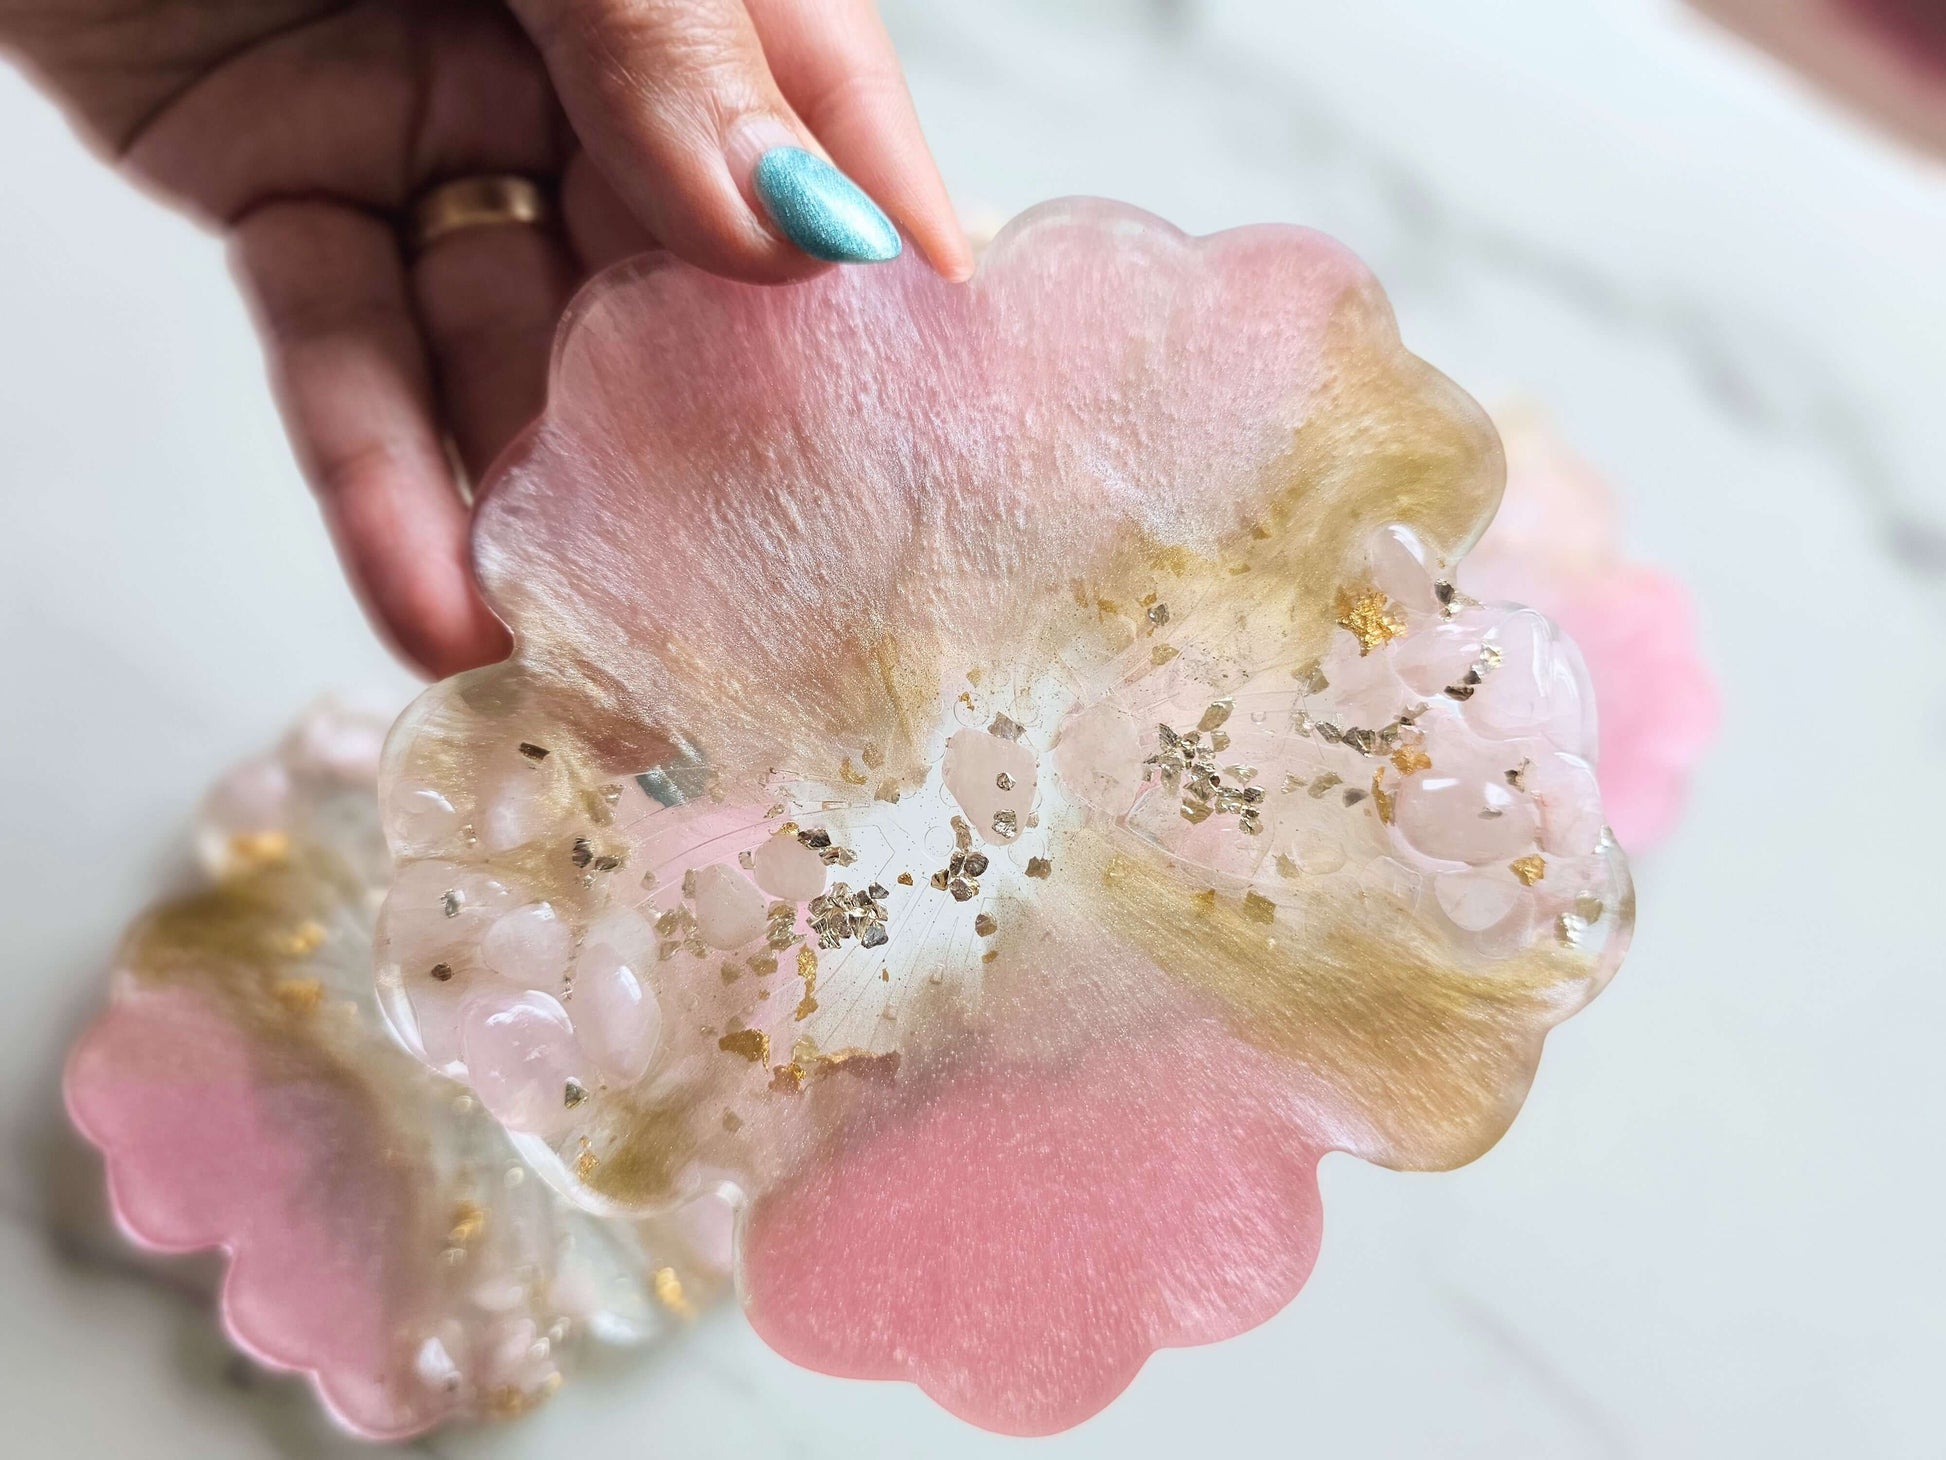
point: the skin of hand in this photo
(304, 130)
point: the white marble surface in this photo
(1715, 1229)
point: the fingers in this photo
(837, 67)
(674, 101)
(597, 223)
(351, 377)
(489, 299)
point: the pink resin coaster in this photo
(1885, 58)
(1555, 544)
(382, 1236)
(996, 780)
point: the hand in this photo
(305, 129)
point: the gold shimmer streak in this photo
(1426, 1058)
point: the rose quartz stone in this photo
(521, 1055)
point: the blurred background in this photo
(1714, 1230)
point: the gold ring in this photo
(474, 202)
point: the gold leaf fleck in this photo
(1529, 869)
(1371, 618)
(752, 1044)
(1258, 908)
(1408, 759)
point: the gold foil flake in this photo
(873, 755)
(732, 1122)
(1039, 867)
(581, 854)
(1529, 869)
(1381, 798)
(1258, 908)
(752, 1044)
(904, 879)
(787, 1079)
(574, 1093)
(885, 975)
(1588, 907)
(585, 1163)
(850, 774)
(1161, 654)
(842, 913)
(985, 925)
(441, 972)
(1568, 930)
(1187, 767)
(1216, 714)
(962, 834)
(775, 809)
(1371, 618)
(668, 1292)
(762, 964)
(1158, 615)
(1323, 784)
(1006, 825)
(533, 752)
(989, 955)
(1006, 727)
(1310, 678)
(938, 880)
(1286, 868)
(1410, 759)
(819, 841)
(807, 970)
(1004, 781)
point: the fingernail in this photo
(821, 210)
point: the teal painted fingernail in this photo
(821, 210)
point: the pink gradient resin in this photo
(281, 1176)
(932, 1253)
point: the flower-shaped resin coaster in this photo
(999, 778)
(247, 1095)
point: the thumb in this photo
(676, 106)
